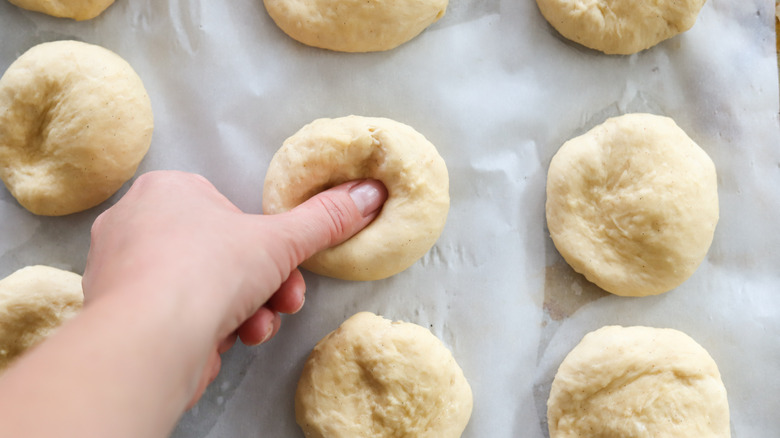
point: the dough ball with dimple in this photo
(376, 378)
(620, 26)
(632, 204)
(75, 122)
(354, 25)
(638, 382)
(75, 9)
(34, 302)
(328, 152)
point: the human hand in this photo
(174, 244)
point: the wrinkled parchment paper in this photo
(497, 90)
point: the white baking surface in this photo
(497, 91)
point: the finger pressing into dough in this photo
(328, 152)
(331, 217)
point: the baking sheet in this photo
(497, 91)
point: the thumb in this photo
(331, 217)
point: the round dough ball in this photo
(328, 152)
(75, 9)
(632, 204)
(638, 382)
(34, 301)
(354, 25)
(376, 378)
(75, 122)
(620, 26)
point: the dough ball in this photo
(376, 378)
(75, 9)
(638, 382)
(620, 26)
(632, 204)
(75, 122)
(328, 152)
(34, 301)
(354, 25)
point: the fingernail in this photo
(303, 301)
(268, 333)
(368, 196)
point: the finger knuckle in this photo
(338, 216)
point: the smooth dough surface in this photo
(75, 9)
(620, 26)
(354, 25)
(638, 382)
(328, 152)
(34, 301)
(75, 122)
(632, 204)
(376, 378)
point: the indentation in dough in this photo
(75, 122)
(328, 152)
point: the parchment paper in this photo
(497, 90)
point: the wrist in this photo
(105, 353)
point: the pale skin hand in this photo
(175, 272)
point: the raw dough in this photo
(620, 26)
(376, 378)
(76, 9)
(34, 301)
(638, 382)
(328, 152)
(75, 122)
(632, 204)
(354, 25)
